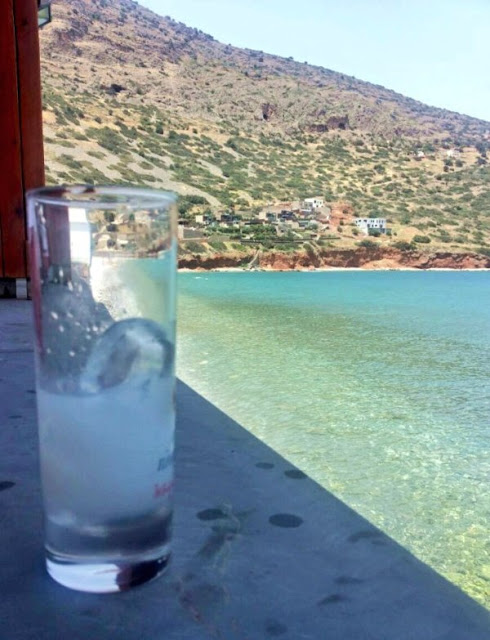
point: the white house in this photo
(365, 224)
(313, 203)
(452, 153)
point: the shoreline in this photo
(324, 269)
(359, 259)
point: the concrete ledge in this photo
(260, 550)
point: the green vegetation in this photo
(225, 149)
(194, 247)
(108, 138)
(403, 246)
(367, 244)
(217, 246)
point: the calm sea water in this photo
(377, 384)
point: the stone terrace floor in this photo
(260, 550)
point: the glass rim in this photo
(86, 196)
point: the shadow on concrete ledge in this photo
(260, 550)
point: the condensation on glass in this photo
(103, 265)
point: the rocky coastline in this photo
(359, 258)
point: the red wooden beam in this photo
(12, 224)
(30, 98)
(30, 95)
(21, 157)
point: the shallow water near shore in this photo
(376, 384)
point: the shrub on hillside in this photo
(195, 247)
(445, 236)
(96, 154)
(403, 246)
(187, 202)
(367, 244)
(217, 246)
(108, 138)
(421, 239)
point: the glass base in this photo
(104, 577)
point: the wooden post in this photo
(30, 94)
(21, 145)
(12, 226)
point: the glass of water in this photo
(103, 266)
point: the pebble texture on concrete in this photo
(260, 550)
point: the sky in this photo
(436, 51)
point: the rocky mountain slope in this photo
(133, 97)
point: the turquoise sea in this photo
(376, 384)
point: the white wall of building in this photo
(371, 223)
(314, 203)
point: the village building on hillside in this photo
(279, 208)
(367, 224)
(189, 233)
(230, 220)
(268, 216)
(271, 217)
(271, 212)
(287, 215)
(310, 225)
(313, 203)
(453, 153)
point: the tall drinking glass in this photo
(103, 263)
